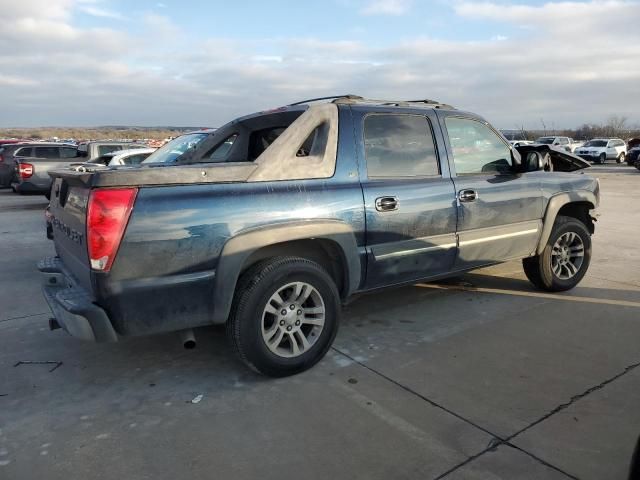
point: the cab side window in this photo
(476, 148)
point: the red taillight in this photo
(107, 216)
(25, 170)
(1, 158)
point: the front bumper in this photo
(589, 157)
(72, 305)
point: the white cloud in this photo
(100, 12)
(574, 63)
(161, 24)
(387, 7)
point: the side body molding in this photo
(558, 201)
(240, 247)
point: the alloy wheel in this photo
(567, 255)
(293, 319)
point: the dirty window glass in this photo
(220, 151)
(173, 150)
(316, 142)
(399, 146)
(476, 148)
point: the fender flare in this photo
(553, 207)
(238, 248)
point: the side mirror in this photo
(533, 162)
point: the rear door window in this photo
(47, 152)
(399, 146)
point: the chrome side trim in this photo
(415, 246)
(461, 239)
(498, 237)
(413, 251)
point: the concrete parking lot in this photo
(483, 377)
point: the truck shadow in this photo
(372, 325)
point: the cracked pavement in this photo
(480, 379)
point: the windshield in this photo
(596, 143)
(175, 148)
(545, 140)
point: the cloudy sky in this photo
(201, 63)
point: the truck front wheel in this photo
(564, 259)
(285, 316)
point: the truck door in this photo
(408, 194)
(499, 211)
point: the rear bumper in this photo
(26, 186)
(72, 306)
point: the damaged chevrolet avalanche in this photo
(273, 221)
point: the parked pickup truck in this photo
(271, 222)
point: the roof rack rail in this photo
(356, 99)
(426, 100)
(332, 97)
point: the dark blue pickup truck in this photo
(271, 222)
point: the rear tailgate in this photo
(68, 206)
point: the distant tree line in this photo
(615, 126)
(94, 133)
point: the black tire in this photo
(620, 158)
(602, 158)
(255, 287)
(538, 269)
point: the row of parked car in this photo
(25, 166)
(597, 150)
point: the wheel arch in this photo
(575, 204)
(330, 243)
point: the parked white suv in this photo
(599, 150)
(561, 142)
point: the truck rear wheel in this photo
(565, 258)
(285, 316)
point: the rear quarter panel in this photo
(176, 235)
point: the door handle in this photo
(386, 204)
(467, 195)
